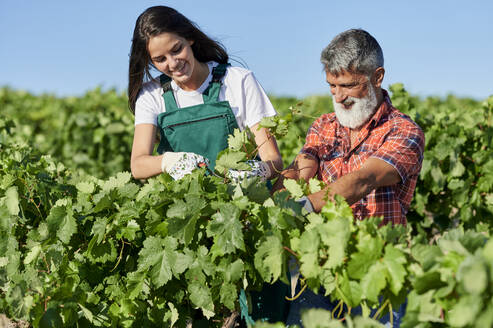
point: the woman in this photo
(197, 102)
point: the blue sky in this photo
(433, 47)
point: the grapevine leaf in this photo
(226, 229)
(269, 258)
(315, 185)
(369, 250)
(135, 284)
(234, 271)
(458, 169)
(129, 190)
(33, 254)
(12, 200)
(335, 234)
(101, 202)
(465, 312)
(308, 249)
(87, 313)
(426, 255)
(51, 319)
(62, 223)
(102, 253)
(350, 292)
(229, 295)
(174, 314)
(183, 261)
(85, 187)
(200, 296)
(238, 140)
(488, 249)
(373, 281)
(294, 188)
(429, 280)
(319, 318)
(394, 261)
(229, 159)
(177, 210)
(158, 256)
(118, 181)
(99, 229)
(130, 230)
(473, 275)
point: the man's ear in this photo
(377, 77)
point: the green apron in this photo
(201, 129)
(204, 130)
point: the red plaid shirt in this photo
(390, 136)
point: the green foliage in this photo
(93, 132)
(83, 244)
(455, 184)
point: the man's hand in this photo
(304, 167)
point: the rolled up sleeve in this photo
(313, 139)
(403, 149)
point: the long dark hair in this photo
(157, 20)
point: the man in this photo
(366, 151)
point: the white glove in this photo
(179, 164)
(305, 202)
(259, 169)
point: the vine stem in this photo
(344, 298)
(46, 263)
(249, 155)
(348, 314)
(391, 315)
(338, 306)
(47, 298)
(119, 257)
(298, 295)
(290, 251)
(381, 309)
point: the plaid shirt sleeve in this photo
(313, 139)
(403, 148)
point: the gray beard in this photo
(359, 113)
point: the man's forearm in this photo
(352, 187)
(373, 174)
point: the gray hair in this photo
(354, 51)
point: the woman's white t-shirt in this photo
(245, 95)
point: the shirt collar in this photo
(381, 112)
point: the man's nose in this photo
(339, 95)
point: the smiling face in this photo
(354, 96)
(173, 56)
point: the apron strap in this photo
(210, 95)
(169, 99)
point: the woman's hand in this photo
(145, 165)
(179, 164)
(259, 169)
